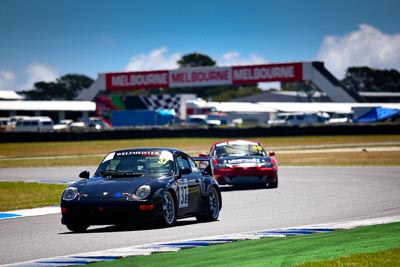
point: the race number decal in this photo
(259, 148)
(183, 193)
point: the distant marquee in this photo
(204, 76)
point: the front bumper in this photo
(234, 176)
(110, 212)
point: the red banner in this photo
(137, 80)
(210, 76)
(267, 73)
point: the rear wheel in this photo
(78, 228)
(213, 207)
(169, 210)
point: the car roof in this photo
(235, 141)
(172, 150)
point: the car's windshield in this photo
(135, 162)
(238, 149)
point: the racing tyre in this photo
(169, 210)
(213, 207)
(77, 228)
(272, 184)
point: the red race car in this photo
(239, 162)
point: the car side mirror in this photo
(203, 155)
(271, 153)
(207, 171)
(84, 174)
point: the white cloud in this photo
(234, 58)
(7, 80)
(37, 72)
(159, 59)
(366, 46)
(155, 60)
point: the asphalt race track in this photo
(306, 195)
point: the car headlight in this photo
(221, 166)
(267, 165)
(143, 192)
(70, 193)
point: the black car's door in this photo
(189, 186)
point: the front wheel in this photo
(169, 210)
(213, 207)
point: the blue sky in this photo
(42, 40)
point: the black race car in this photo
(139, 185)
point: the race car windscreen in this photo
(137, 162)
(239, 149)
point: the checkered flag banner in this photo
(167, 101)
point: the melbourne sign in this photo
(137, 80)
(200, 77)
(207, 76)
(267, 73)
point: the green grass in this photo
(387, 258)
(84, 153)
(289, 251)
(20, 195)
